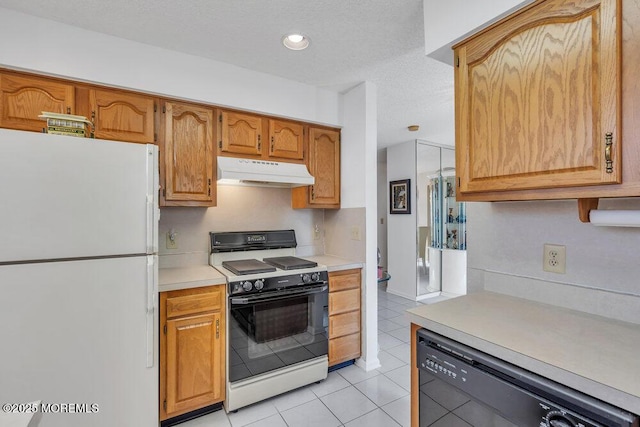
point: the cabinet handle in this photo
(93, 124)
(217, 328)
(607, 151)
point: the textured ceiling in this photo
(381, 41)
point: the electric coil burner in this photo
(277, 314)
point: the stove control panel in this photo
(276, 283)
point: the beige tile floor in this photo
(349, 396)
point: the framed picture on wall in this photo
(400, 197)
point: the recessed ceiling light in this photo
(295, 41)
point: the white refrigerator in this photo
(78, 280)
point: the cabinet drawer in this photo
(344, 348)
(195, 303)
(340, 302)
(344, 324)
(344, 280)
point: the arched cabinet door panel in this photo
(23, 98)
(538, 99)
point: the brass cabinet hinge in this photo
(155, 137)
(457, 61)
(220, 145)
(272, 144)
(209, 190)
(165, 329)
(164, 404)
(164, 108)
(458, 182)
(217, 328)
(220, 118)
(155, 107)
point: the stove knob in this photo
(558, 419)
(259, 284)
(306, 277)
(247, 286)
(315, 277)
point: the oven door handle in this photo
(278, 295)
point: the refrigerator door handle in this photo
(152, 280)
(153, 211)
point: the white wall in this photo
(359, 205)
(239, 209)
(401, 228)
(505, 246)
(446, 22)
(27, 42)
(382, 209)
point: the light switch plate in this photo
(172, 243)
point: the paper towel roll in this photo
(613, 218)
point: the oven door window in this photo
(269, 335)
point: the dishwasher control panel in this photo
(464, 381)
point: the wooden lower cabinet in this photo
(344, 316)
(415, 387)
(192, 349)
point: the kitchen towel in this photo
(615, 218)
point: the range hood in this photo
(232, 170)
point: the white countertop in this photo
(334, 263)
(171, 279)
(592, 354)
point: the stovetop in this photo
(242, 267)
(262, 261)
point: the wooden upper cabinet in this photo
(240, 133)
(187, 155)
(122, 116)
(323, 161)
(538, 100)
(286, 139)
(23, 98)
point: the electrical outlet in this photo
(316, 232)
(172, 240)
(355, 233)
(554, 258)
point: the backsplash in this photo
(505, 249)
(339, 241)
(239, 208)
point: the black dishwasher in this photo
(461, 386)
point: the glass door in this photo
(441, 224)
(429, 225)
